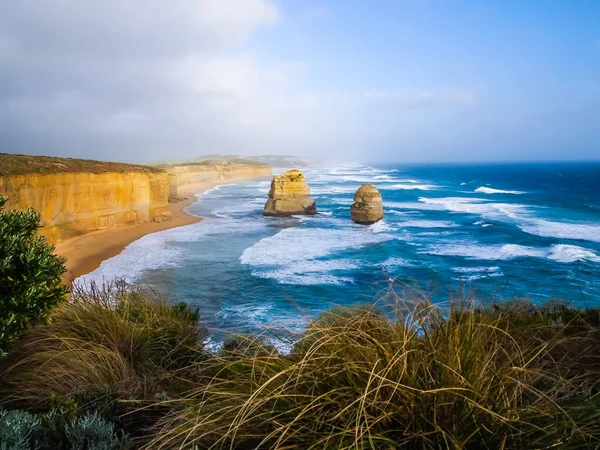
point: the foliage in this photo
(409, 375)
(110, 349)
(94, 433)
(425, 378)
(21, 430)
(30, 274)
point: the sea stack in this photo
(289, 195)
(368, 205)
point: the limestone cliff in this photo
(75, 203)
(75, 196)
(368, 205)
(212, 171)
(289, 195)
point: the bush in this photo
(21, 430)
(431, 378)
(111, 349)
(30, 274)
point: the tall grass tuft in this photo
(111, 349)
(428, 377)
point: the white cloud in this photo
(133, 79)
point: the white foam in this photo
(301, 244)
(476, 206)
(394, 262)
(571, 253)
(381, 227)
(428, 224)
(560, 252)
(408, 187)
(151, 252)
(477, 273)
(156, 251)
(489, 252)
(310, 272)
(484, 269)
(488, 190)
(562, 230)
(292, 255)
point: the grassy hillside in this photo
(421, 376)
(24, 164)
(270, 160)
(215, 162)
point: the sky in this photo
(369, 81)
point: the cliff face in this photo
(76, 196)
(74, 203)
(181, 175)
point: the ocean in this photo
(491, 232)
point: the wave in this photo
(475, 206)
(488, 190)
(561, 230)
(428, 224)
(408, 187)
(477, 273)
(560, 252)
(159, 251)
(295, 255)
(395, 262)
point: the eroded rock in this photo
(289, 195)
(368, 205)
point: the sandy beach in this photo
(85, 253)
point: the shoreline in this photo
(85, 253)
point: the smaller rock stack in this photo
(289, 195)
(368, 205)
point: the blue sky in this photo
(412, 80)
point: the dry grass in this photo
(419, 376)
(429, 378)
(11, 164)
(110, 348)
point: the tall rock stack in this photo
(289, 195)
(368, 205)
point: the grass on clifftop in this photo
(214, 162)
(420, 376)
(11, 164)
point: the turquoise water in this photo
(498, 231)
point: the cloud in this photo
(414, 98)
(140, 79)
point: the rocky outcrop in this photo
(71, 204)
(289, 195)
(368, 205)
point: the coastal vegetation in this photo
(30, 274)
(407, 374)
(12, 164)
(120, 367)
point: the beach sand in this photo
(85, 253)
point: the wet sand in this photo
(85, 253)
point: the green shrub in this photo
(30, 274)
(57, 430)
(19, 430)
(92, 432)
